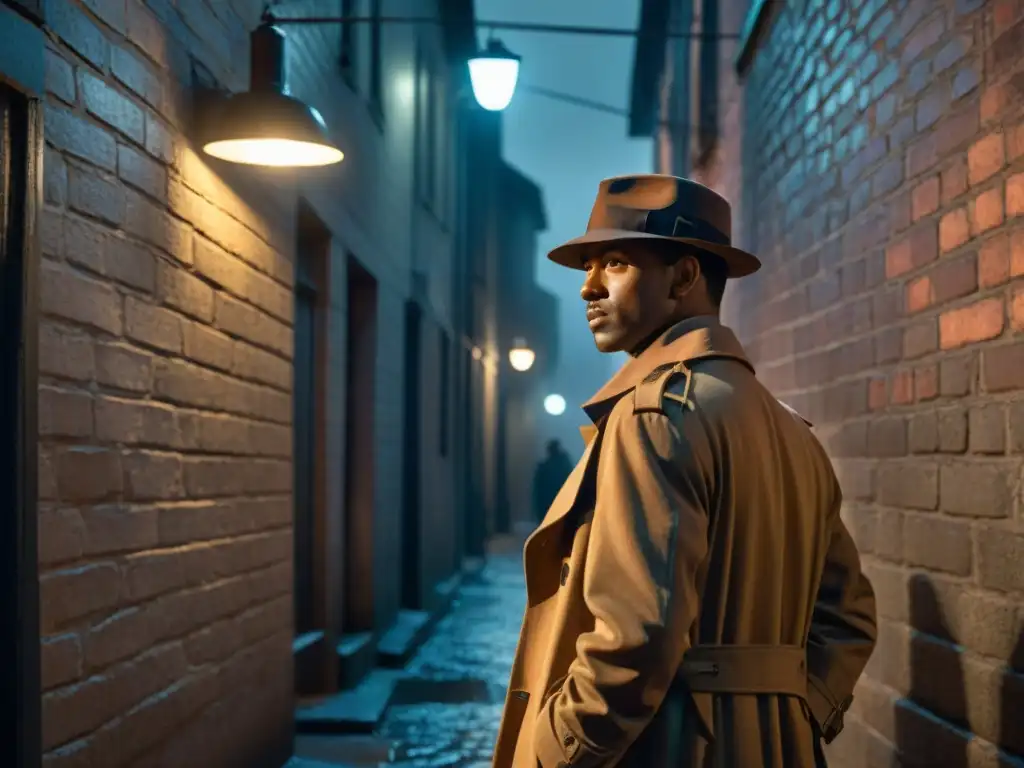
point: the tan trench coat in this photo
(703, 513)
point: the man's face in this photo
(628, 296)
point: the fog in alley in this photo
(568, 149)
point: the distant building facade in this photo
(530, 313)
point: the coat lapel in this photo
(688, 340)
(588, 432)
(567, 494)
(696, 337)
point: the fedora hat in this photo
(658, 207)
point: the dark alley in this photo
(445, 709)
(310, 310)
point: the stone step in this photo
(400, 642)
(358, 751)
(303, 762)
(412, 628)
(357, 655)
(357, 710)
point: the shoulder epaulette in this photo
(651, 392)
(795, 413)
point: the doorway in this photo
(473, 426)
(309, 532)
(412, 458)
(20, 188)
(360, 449)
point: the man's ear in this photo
(685, 274)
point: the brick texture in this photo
(166, 344)
(874, 153)
(165, 452)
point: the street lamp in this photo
(554, 404)
(494, 74)
(266, 126)
(521, 357)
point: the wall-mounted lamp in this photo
(494, 73)
(521, 357)
(264, 125)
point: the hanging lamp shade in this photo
(493, 74)
(264, 125)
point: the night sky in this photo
(568, 149)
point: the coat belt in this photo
(746, 669)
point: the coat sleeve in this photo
(843, 630)
(647, 541)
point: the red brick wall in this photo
(165, 410)
(877, 156)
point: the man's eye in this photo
(614, 263)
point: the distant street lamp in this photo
(521, 356)
(554, 404)
(494, 74)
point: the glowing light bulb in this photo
(554, 404)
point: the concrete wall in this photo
(875, 157)
(165, 356)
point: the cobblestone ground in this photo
(448, 714)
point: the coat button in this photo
(565, 573)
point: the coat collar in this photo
(701, 336)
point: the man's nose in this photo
(593, 286)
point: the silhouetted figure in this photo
(548, 478)
(936, 687)
(1011, 734)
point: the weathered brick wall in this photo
(165, 410)
(882, 182)
(165, 459)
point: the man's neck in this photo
(647, 341)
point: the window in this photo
(21, 153)
(376, 63)
(426, 124)
(430, 139)
(707, 83)
(348, 41)
(440, 151)
(445, 363)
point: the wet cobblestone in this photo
(449, 716)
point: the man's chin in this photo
(608, 342)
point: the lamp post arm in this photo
(560, 29)
(597, 106)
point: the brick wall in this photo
(877, 156)
(165, 410)
(166, 375)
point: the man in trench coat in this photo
(693, 597)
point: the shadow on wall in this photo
(1011, 737)
(932, 727)
(930, 721)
